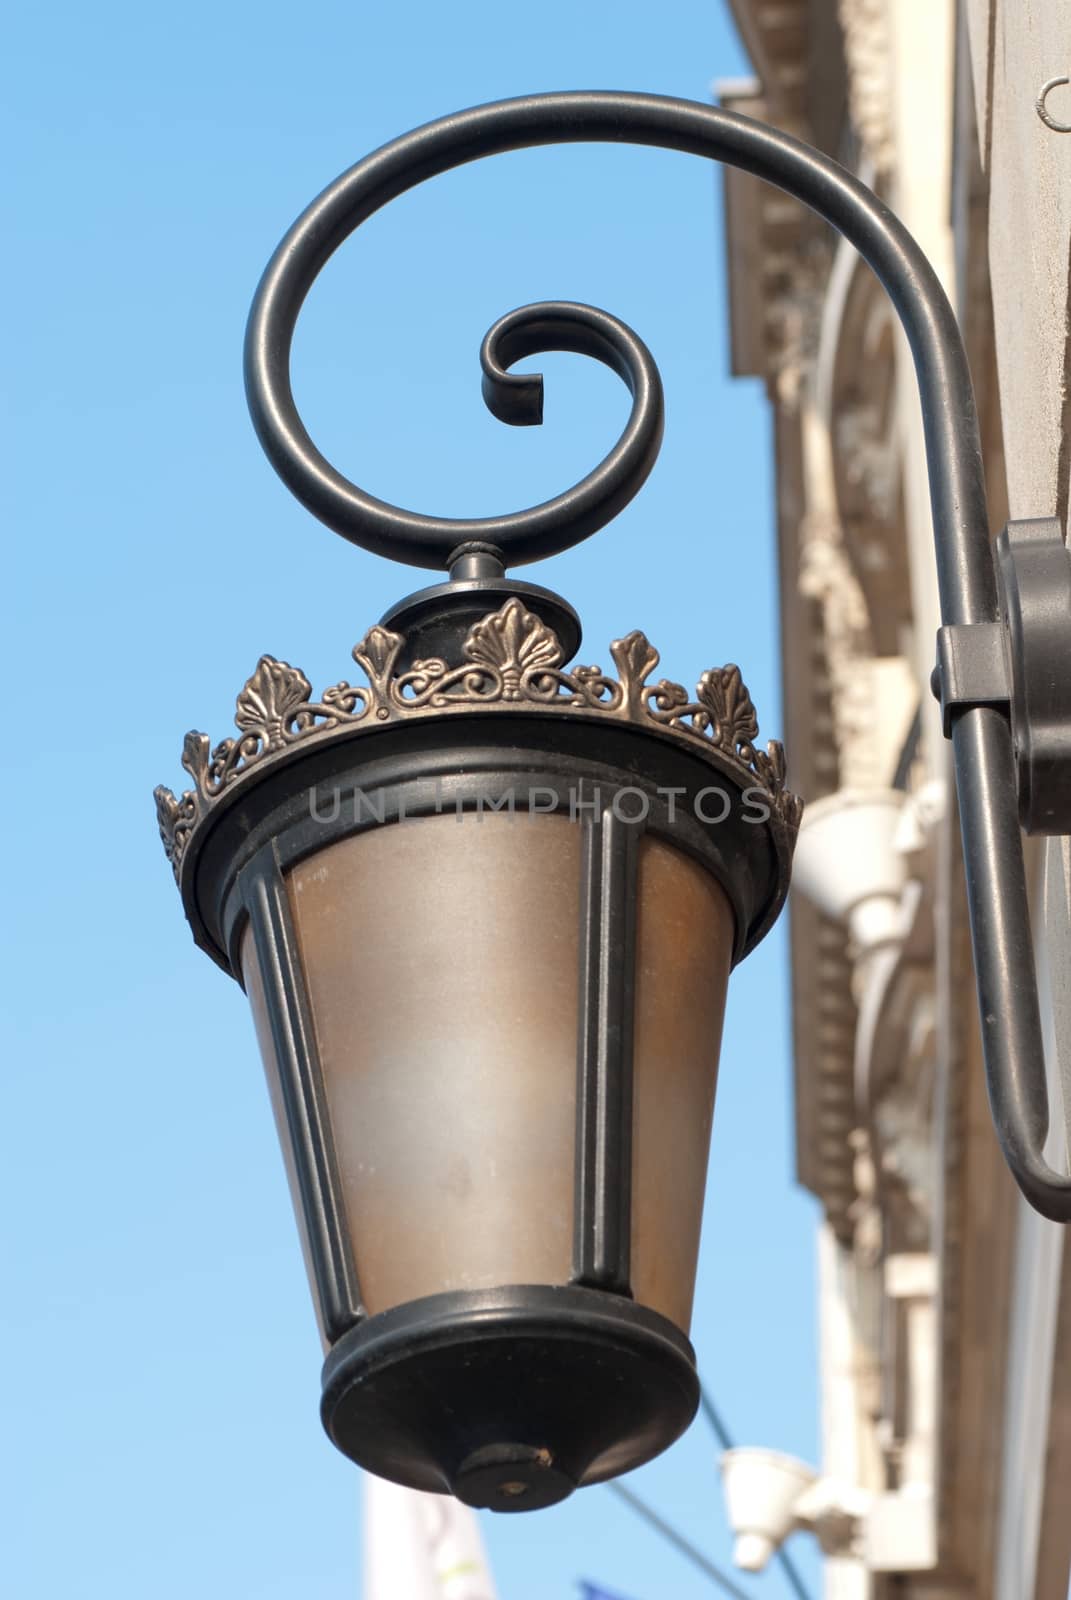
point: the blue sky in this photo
(160, 1360)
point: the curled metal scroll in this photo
(981, 737)
(515, 398)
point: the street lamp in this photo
(484, 906)
(485, 902)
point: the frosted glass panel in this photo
(441, 959)
(684, 935)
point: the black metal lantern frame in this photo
(510, 1393)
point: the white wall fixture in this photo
(769, 1495)
(762, 1489)
(847, 862)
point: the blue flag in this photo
(591, 1591)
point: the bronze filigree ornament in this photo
(512, 661)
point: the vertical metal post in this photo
(602, 1249)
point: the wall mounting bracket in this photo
(1021, 666)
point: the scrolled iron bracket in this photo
(984, 756)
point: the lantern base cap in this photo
(511, 1477)
(509, 1398)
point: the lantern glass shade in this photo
(441, 962)
(440, 959)
(684, 941)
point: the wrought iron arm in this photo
(981, 733)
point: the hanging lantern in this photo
(484, 903)
(485, 906)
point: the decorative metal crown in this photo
(512, 661)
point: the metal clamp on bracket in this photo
(1021, 665)
(971, 670)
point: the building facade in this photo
(945, 1302)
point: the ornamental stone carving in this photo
(866, 51)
